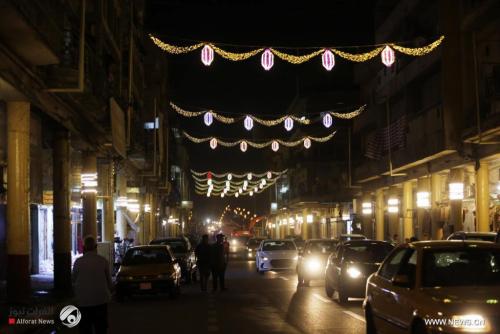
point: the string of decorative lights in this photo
(386, 50)
(248, 120)
(220, 183)
(231, 193)
(274, 143)
(230, 175)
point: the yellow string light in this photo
(293, 59)
(349, 115)
(256, 144)
(236, 175)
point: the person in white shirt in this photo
(92, 285)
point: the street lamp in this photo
(393, 205)
(366, 208)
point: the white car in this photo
(276, 255)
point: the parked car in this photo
(238, 244)
(351, 264)
(148, 269)
(275, 255)
(184, 253)
(297, 239)
(312, 260)
(436, 287)
(462, 235)
(349, 237)
(252, 246)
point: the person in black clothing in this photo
(202, 253)
(219, 261)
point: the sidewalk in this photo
(44, 304)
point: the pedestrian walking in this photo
(219, 260)
(202, 253)
(93, 285)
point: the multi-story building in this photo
(428, 146)
(83, 135)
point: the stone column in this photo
(367, 219)
(379, 214)
(304, 226)
(89, 160)
(407, 210)
(482, 197)
(62, 219)
(18, 220)
(456, 176)
(436, 198)
(106, 186)
(394, 216)
(121, 211)
(423, 222)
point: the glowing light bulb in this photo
(249, 176)
(208, 118)
(229, 176)
(269, 175)
(267, 59)
(388, 56)
(236, 195)
(248, 123)
(275, 146)
(251, 193)
(328, 60)
(207, 55)
(288, 123)
(240, 190)
(243, 146)
(307, 143)
(327, 120)
(213, 143)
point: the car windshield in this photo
(254, 242)
(323, 246)
(490, 238)
(462, 267)
(176, 246)
(138, 256)
(278, 245)
(367, 252)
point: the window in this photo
(138, 256)
(391, 266)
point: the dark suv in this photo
(183, 252)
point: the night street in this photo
(253, 303)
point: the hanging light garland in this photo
(274, 143)
(248, 120)
(210, 174)
(327, 54)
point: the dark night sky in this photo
(244, 87)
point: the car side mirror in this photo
(401, 280)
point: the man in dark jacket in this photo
(202, 253)
(219, 261)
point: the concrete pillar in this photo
(407, 210)
(18, 220)
(89, 162)
(367, 219)
(456, 176)
(106, 185)
(146, 219)
(304, 226)
(153, 224)
(379, 214)
(436, 198)
(394, 216)
(62, 219)
(121, 192)
(482, 197)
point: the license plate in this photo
(144, 286)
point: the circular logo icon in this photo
(70, 316)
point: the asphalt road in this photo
(253, 303)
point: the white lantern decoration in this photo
(213, 143)
(275, 146)
(245, 185)
(209, 182)
(208, 118)
(207, 55)
(222, 195)
(328, 60)
(267, 59)
(240, 190)
(388, 56)
(288, 123)
(327, 120)
(236, 195)
(208, 194)
(269, 175)
(263, 182)
(251, 193)
(261, 186)
(249, 176)
(243, 146)
(248, 123)
(229, 176)
(228, 184)
(256, 189)
(307, 143)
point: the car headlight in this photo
(313, 265)
(263, 258)
(469, 322)
(234, 242)
(353, 272)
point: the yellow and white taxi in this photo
(436, 287)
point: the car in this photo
(351, 264)
(252, 246)
(148, 269)
(238, 244)
(276, 254)
(436, 287)
(297, 239)
(462, 235)
(349, 237)
(312, 260)
(184, 253)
